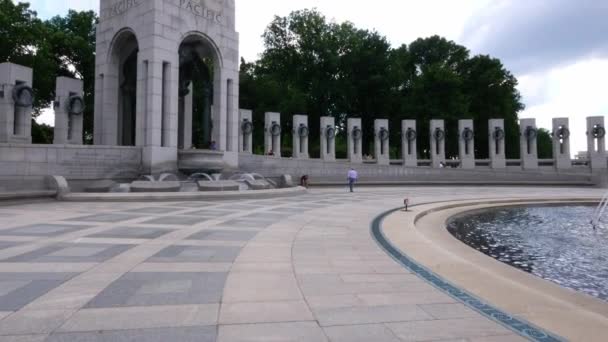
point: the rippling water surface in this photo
(555, 243)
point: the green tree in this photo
(61, 46)
(545, 144)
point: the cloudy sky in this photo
(558, 49)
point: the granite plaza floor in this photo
(296, 269)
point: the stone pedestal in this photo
(355, 141)
(528, 144)
(381, 142)
(596, 142)
(466, 144)
(328, 138)
(409, 146)
(561, 143)
(16, 98)
(145, 56)
(69, 111)
(272, 134)
(496, 139)
(300, 136)
(437, 135)
(246, 131)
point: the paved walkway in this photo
(300, 269)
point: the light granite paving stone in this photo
(213, 267)
(152, 210)
(265, 312)
(147, 317)
(449, 311)
(223, 235)
(500, 338)
(370, 314)
(179, 254)
(71, 253)
(319, 303)
(284, 332)
(33, 322)
(176, 220)
(430, 296)
(260, 287)
(361, 333)
(212, 213)
(378, 278)
(183, 334)
(244, 223)
(465, 328)
(105, 218)
(132, 233)
(19, 289)
(25, 338)
(151, 289)
(263, 267)
(46, 230)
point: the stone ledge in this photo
(218, 186)
(17, 195)
(155, 187)
(184, 196)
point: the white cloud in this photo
(575, 91)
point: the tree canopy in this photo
(60, 46)
(321, 68)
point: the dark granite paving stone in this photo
(242, 207)
(267, 216)
(47, 230)
(223, 235)
(186, 334)
(19, 289)
(211, 213)
(194, 204)
(173, 254)
(153, 210)
(105, 218)
(133, 233)
(148, 289)
(8, 244)
(70, 252)
(243, 223)
(177, 220)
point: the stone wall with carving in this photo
(24, 167)
(321, 172)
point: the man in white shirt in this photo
(352, 178)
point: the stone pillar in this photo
(69, 110)
(246, 131)
(328, 138)
(466, 144)
(437, 135)
(186, 133)
(496, 132)
(561, 143)
(300, 137)
(355, 141)
(528, 144)
(409, 147)
(596, 142)
(272, 134)
(16, 99)
(381, 142)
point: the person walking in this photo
(352, 179)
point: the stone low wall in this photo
(327, 173)
(25, 167)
